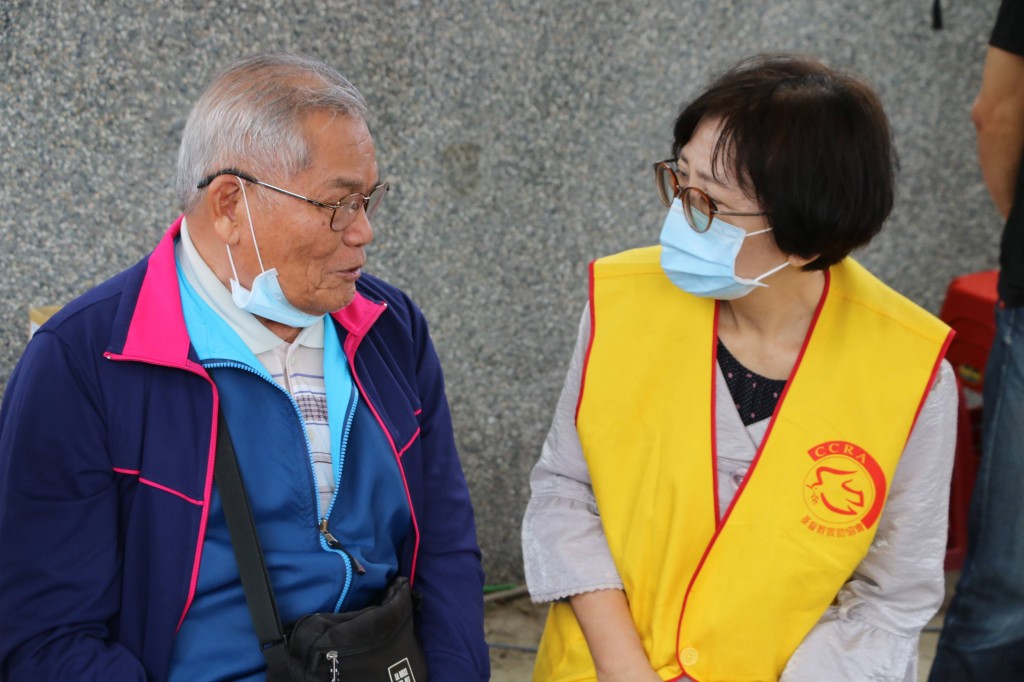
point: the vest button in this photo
(689, 656)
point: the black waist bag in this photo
(377, 643)
(374, 643)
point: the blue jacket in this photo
(107, 438)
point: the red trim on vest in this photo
(931, 379)
(714, 420)
(590, 341)
(753, 464)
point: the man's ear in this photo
(224, 199)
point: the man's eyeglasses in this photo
(342, 213)
(698, 207)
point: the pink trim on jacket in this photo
(409, 444)
(157, 331)
(157, 335)
(357, 318)
(154, 484)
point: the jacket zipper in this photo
(327, 540)
(332, 541)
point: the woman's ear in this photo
(226, 204)
(798, 262)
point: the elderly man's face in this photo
(317, 267)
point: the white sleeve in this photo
(565, 551)
(872, 631)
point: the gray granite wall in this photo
(517, 136)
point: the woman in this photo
(747, 474)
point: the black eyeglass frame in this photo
(661, 167)
(367, 200)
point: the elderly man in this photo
(117, 561)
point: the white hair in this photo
(250, 117)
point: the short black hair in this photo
(813, 146)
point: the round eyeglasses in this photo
(342, 213)
(698, 207)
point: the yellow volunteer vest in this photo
(729, 600)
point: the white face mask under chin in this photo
(265, 299)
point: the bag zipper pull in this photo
(332, 656)
(333, 543)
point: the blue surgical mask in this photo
(265, 298)
(704, 263)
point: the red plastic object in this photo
(968, 309)
(965, 471)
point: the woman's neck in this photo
(765, 329)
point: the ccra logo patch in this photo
(844, 490)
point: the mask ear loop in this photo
(770, 273)
(252, 231)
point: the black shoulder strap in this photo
(259, 594)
